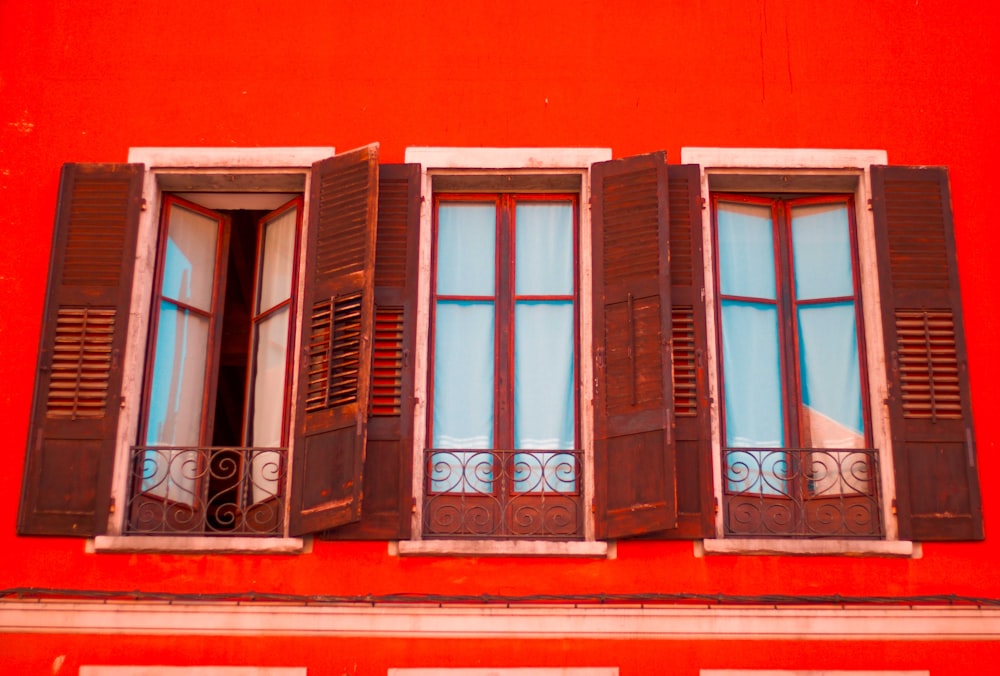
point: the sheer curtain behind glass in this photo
(544, 337)
(464, 346)
(176, 397)
(270, 356)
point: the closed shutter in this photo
(634, 458)
(74, 423)
(336, 343)
(388, 472)
(937, 489)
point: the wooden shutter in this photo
(689, 348)
(336, 343)
(388, 472)
(633, 445)
(937, 489)
(74, 423)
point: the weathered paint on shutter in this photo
(689, 345)
(937, 488)
(74, 423)
(336, 343)
(388, 472)
(633, 445)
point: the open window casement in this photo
(72, 441)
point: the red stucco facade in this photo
(86, 81)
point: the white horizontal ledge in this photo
(500, 548)
(937, 623)
(506, 158)
(794, 547)
(195, 544)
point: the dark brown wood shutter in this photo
(74, 423)
(388, 473)
(336, 343)
(634, 463)
(937, 489)
(689, 348)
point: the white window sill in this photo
(600, 549)
(198, 545)
(794, 547)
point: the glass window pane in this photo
(463, 375)
(189, 266)
(544, 244)
(831, 376)
(271, 360)
(466, 253)
(278, 252)
(175, 405)
(544, 402)
(746, 250)
(752, 374)
(543, 375)
(821, 241)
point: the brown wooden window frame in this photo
(513, 513)
(816, 492)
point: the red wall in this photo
(84, 81)
(373, 657)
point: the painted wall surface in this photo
(368, 657)
(84, 81)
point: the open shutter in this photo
(633, 446)
(74, 420)
(937, 489)
(336, 343)
(388, 471)
(689, 349)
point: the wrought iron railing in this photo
(471, 493)
(207, 490)
(810, 493)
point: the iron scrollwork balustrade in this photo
(475, 493)
(207, 490)
(809, 493)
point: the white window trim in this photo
(854, 167)
(808, 672)
(157, 670)
(509, 671)
(190, 165)
(486, 161)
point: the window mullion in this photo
(790, 381)
(505, 324)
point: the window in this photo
(793, 381)
(837, 356)
(504, 336)
(215, 421)
(186, 419)
(622, 377)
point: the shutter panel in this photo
(74, 423)
(388, 473)
(937, 489)
(336, 343)
(689, 347)
(633, 446)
